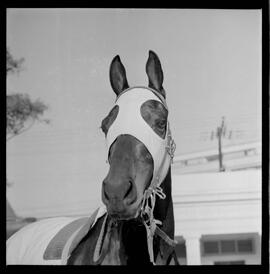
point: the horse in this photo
(136, 223)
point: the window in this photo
(245, 245)
(229, 262)
(227, 246)
(231, 246)
(211, 247)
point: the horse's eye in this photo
(161, 124)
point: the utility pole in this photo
(220, 132)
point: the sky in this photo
(211, 61)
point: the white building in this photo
(218, 214)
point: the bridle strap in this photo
(171, 243)
(154, 91)
(174, 257)
(165, 237)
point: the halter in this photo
(129, 121)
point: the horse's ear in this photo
(118, 77)
(155, 73)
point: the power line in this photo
(67, 133)
(59, 144)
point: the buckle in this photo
(171, 147)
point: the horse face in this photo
(131, 164)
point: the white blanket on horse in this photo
(29, 244)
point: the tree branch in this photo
(20, 132)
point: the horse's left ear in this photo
(155, 73)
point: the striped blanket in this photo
(49, 241)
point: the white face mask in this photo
(130, 121)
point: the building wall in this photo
(216, 204)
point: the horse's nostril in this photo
(106, 196)
(129, 189)
(104, 191)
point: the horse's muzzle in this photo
(120, 198)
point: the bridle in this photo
(129, 120)
(148, 204)
(161, 150)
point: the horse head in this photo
(137, 134)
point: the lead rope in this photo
(149, 200)
(97, 252)
(150, 223)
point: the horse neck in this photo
(163, 210)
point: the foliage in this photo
(22, 112)
(13, 65)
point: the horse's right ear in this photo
(118, 77)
